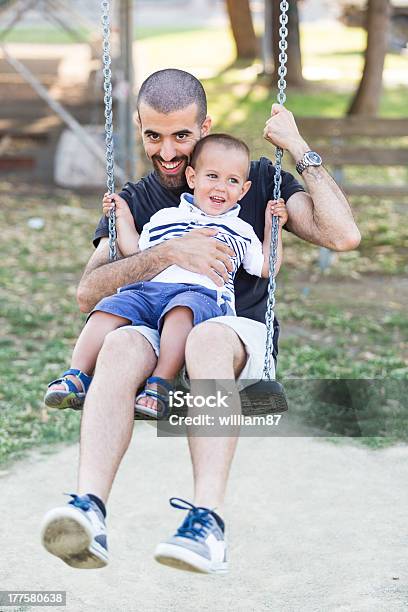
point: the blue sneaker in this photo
(198, 545)
(76, 533)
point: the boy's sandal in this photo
(70, 397)
(161, 398)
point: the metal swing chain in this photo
(281, 97)
(107, 87)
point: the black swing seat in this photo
(262, 398)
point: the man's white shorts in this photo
(251, 333)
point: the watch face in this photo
(313, 158)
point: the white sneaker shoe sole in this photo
(185, 559)
(67, 534)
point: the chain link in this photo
(273, 253)
(107, 87)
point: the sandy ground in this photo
(312, 526)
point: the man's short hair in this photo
(225, 140)
(170, 90)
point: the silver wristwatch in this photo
(310, 158)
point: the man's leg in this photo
(213, 355)
(125, 361)
(76, 533)
(199, 543)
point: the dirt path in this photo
(312, 526)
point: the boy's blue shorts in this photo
(147, 302)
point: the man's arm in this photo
(197, 252)
(101, 279)
(324, 217)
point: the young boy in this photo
(176, 299)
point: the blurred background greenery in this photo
(347, 321)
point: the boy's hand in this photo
(121, 206)
(276, 209)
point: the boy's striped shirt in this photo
(171, 223)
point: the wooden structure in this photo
(39, 100)
(359, 141)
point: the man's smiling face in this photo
(169, 140)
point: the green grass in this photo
(324, 334)
(373, 412)
(38, 316)
(56, 35)
(45, 35)
(165, 35)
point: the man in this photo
(172, 117)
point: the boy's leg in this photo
(89, 344)
(91, 339)
(178, 323)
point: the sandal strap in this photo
(82, 377)
(159, 396)
(69, 385)
(163, 400)
(160, 381)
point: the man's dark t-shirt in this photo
(147, 196)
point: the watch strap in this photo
(304, 163)
(301, 166)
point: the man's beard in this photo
(171, 181)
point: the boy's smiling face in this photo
(219, 178)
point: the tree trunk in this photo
(294, 64)
(242, 27)
(367, 98)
